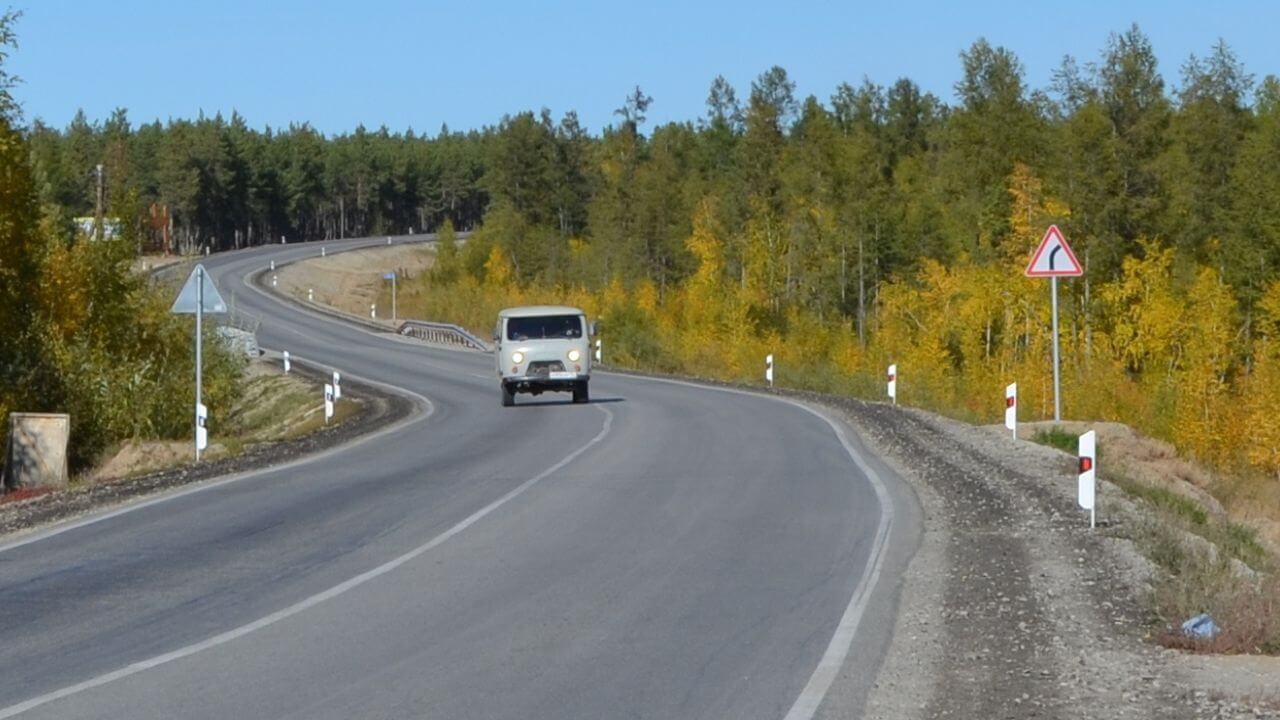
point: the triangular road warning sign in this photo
(190, 296)
(1054, 257)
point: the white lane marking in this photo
(202, 486)
(815, 690)
(810, 699)
(312, 601)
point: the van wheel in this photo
(508, 396)
(580, 394)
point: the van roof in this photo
(539, 311)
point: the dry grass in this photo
(1245, 605)
(272, 407)
(1208, 561)
(1253, 499)
(351, 281)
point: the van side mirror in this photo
(496, 336)
(595, 327)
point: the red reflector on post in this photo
(1086, 464)
(1008, 402)
(892, 377)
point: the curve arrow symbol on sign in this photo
(1048, 259)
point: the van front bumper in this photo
(553, 382)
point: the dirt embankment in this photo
(1014, 607)
(370, 408)
(352, 281)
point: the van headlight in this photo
(517, 357)
(574, 355)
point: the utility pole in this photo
(97, 213)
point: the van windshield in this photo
(544, 328)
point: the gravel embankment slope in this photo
(1014, 608)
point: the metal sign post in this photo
(197, 297)
(1057, 380)
(1053, 259)
(199, 352)
(392, 277)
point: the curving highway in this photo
(667, 551)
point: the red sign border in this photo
(1044, 243)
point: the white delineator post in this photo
(598, 351)
(321, 251)
(328, 402)
(768, 369)
(273, 279)
(1011, 408)
(311, 296)
(337, 386)
(892, 381)
(373, 311)
(202, 428)
(1086, 492)
(273, 266)
(286, 362)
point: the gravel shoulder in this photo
(377, 409)
(1013, 607)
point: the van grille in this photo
(545, 367)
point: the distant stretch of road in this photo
(667, 551)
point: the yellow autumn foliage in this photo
(1149, 351)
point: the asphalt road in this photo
(667, 551)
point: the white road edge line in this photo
(312, 601)
(815, 690)
(202, 486)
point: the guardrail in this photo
(444, 333)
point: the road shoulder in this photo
(1013, 607)
(380, 408)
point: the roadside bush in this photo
(86, 336)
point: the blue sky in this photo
(421, 64)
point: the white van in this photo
(543, 348)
